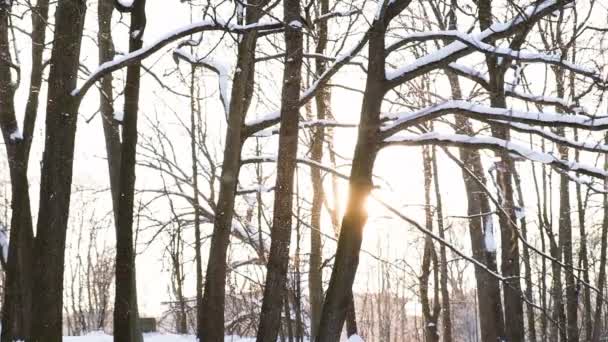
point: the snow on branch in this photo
(335, 14)
(138, 55)
(457, 49)
(490, 114)
(556, 138)
(474, 42)
(214, 65)
(510, 90)
(459, 140)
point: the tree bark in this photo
(512, 294)
(16, 310)
(446, 312)
(211, 328)
(491, 320)
(527, 264)
(429, 258)
(278, 259)
(126, 318)
(56, 179)
(351, 233)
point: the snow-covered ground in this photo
(101, 337)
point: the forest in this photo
(303, 171)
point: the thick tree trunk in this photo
(56, 180)
(126, 318)
(211, 328)
(16, 310)
(106, 99)
(278, 259)
(491, 320)
(335, 305)
(510, 268)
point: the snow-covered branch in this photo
(456, 50)
(214, 65)
(474, 42)
(138, 55)
(459, 140)
(491, 114)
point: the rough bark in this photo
(111, 130)
(16, 310)
(126, 318)
(478, 207)
(56, 179)
(351, 233)
(211, 328)
(278, 259)
(510, 268)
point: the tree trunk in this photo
(323, 101)
(488, 288)
(278, 259)
(211, 328)
(56, 179)
(446, 312)
(527, 267)
(512, 294)
(16, 310)
(335, 305)
(111, 129)
(601, 278)
(126, 318)
(431, 332)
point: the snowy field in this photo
(101, 337)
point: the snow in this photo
(355, 338)
(98, 336)
(149, 49)
(489, 240)
(263, 118)
(219, 67)
(126, 3)
(475, 42)
(4, 242)
(119, 115)
(491, 142)
(296, 24)
(457, 47)
(491, 113)
(16, 135)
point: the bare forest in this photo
(303, 171)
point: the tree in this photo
(55, 187)
(278, 259)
